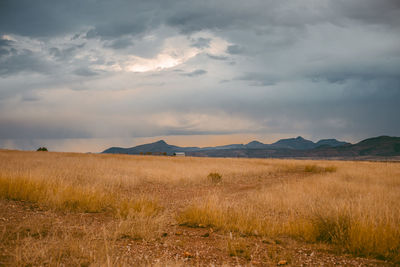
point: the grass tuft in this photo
(331, 228)
(214, 177)
(318, 169)
(222, 218)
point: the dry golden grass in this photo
(351, 206)
(355, 209)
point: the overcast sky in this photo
(86, 75)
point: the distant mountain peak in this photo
(255, 142)
(255, 145)
(294, 143)
(161, 142)
(331, 142)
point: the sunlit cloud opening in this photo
(162, 61)
(177, 50)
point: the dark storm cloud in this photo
(317, 67)
(111, 19)
(50, 18)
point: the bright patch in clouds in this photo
(162, 61)
(177, 50)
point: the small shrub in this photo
(330, 168)
(42, 149)
(227, 219)
(215, 177)
(333, 229)
(319, 169)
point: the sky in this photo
(85, 75)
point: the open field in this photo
(87, 209)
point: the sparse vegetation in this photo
(214, 177)
(63, 197)
(42, 149)
(86, 209)
(239, 248)
(318, 169)
(349, 214)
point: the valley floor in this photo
(79, 209)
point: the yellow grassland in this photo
(353, 207)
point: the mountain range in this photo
(382, 146)
(161, 146)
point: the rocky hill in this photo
(383, 146)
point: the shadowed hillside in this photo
(383, 146)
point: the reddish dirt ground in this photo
(179, 244)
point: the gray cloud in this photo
(194, 73)
(23, 129)
(5, 46)
(48, 18)
(234, 49)
(85, 72)
(121, 43)
(201, 42)
(23, 61)
(259, 79)
(315, 68)
(217, 57)
(66, 53)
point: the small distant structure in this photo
(179, 154)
